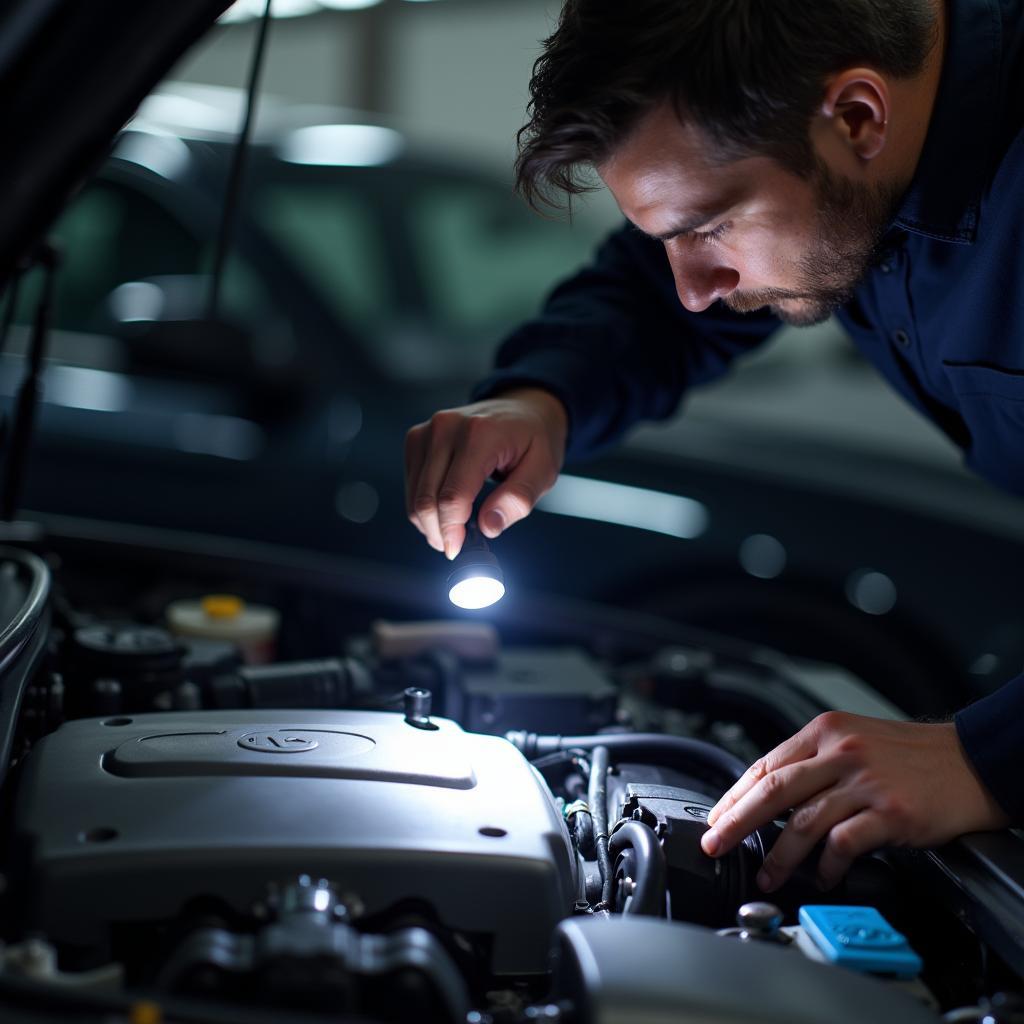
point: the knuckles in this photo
(415, 432)
(450, 501)
(895, 810)
(803, 821)
(831, 723)
(772, 786)
(422, 505)
(445, 419)
(843, 843)
(476, 427)
(852, 746)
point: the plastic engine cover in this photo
(637, 970)
(126, 819)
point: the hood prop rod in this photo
(5, 330)
(232, 192)
(29, 392)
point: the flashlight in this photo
(475, 579)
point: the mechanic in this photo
(777, 162)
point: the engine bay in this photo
(309, 800)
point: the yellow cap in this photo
(145, 1013)
(222, 606)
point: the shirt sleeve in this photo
(616, 346)
(990, 730)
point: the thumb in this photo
(516, 496)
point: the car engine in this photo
(416, 812)
(419, 819)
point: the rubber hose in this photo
(644, 747)
(583, 826)
(649, 894)
(597, 798)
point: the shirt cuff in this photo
(991, 731)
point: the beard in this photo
(852, 220)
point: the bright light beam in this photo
(476, 592)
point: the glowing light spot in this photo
(476, 592)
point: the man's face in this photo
(748, 232)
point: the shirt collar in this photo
(944, 197)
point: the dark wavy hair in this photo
(750, 73)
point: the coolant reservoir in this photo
(252, 627)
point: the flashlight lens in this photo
(476, 592)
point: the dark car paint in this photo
(61, 109)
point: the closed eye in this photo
(711, 236)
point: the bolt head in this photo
(760, 917)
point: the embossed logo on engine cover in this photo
(277, 743)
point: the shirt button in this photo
(901, 338)
(886, 267)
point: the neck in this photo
(914, 103)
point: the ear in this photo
(856, 106)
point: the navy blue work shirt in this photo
(941, 315)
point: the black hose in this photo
(649, 895)
(645, 747)
(583, 829)
(597, 798)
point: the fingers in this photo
(446, 465)
(448, 459)
(416, 442)
(465, 475)
(848, 840)
(797, 748)
(806, 827)
(521, 489)
(857, 782)
(785, 787)
(432, 460)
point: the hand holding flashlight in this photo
(518, 436)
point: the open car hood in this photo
(71, 74)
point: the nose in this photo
(701, 280)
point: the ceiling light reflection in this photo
(872, 592)
(165, 155)
(348, 5)
(79, 387)
(293, 8)
(249, 10)
(763, 556)
(242, 10)
(638, 507)
(342, 145)
(227, 437)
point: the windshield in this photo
(453, 260)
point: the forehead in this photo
(666, 162)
